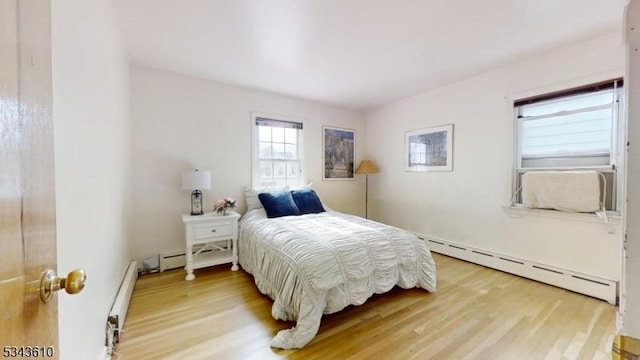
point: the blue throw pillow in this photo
(308, 201)
(278, 204)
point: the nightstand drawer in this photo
(203, 232)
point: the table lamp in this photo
(196, 180)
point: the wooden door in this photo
(27, 204)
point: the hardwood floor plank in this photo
(477, 313)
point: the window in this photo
(277, 154)
(577, 129)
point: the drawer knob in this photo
(213, 230)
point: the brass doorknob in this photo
(50, 283)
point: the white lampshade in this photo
(196, 180)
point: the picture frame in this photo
(429, 149)
(338, 153)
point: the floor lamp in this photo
(367, 167)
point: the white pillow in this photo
(251, 196)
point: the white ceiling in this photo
(353, 53)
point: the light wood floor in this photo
(477, 313)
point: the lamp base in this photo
(196, 203)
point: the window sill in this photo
(614, 217)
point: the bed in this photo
(320, 263)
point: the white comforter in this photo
(321, 263)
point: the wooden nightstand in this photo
(211, 239)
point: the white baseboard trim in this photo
(594, 286)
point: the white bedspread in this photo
(321, 263)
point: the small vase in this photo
(224, 212)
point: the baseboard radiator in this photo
(172, 260)
(581, 283)
(118, 313)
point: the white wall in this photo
(466, 205)
(92, 166)
(630, 306)
(180, 123)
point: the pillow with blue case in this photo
(307, 201)
(277, 204)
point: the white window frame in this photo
(255, 148)
(616, 154)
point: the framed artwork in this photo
(338, 153)
(429, 149)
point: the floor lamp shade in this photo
(196, 180)
(367, 167)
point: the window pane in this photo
(587, 132)
(293, 169)
(264, 133)
(266, 169)
(279, 170)
(279, 173)
(569, 103)
(278, 134)
(265, 150)
(290, 152)
(266, 174)
(291, 136)
(278, 151)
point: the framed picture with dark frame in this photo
(429, 149)
(338, 153)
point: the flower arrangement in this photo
(221, 206)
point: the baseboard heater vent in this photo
(481, 253)
(118, 312)
(172, 260)
(581, 283)
(175, 259)
(546, 269)
(511, 260)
